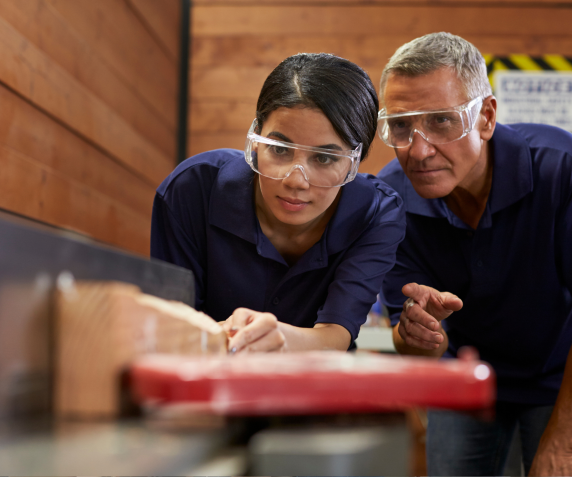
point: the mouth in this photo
(426, 172)
(291, 204)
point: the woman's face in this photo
(293, 200)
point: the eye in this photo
(325, 159)
(279, 150)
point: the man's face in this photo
(436, 170)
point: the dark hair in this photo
(339, 88)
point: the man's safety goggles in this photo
(321, 167)
(436, 127)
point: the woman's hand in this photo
(253, 331)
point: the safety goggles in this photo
(436, 127)
(320, 167)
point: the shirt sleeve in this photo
(358, 277)
(564, 230)
(178, 224)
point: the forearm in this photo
(403, 348)
(324, 336)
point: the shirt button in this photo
(480, 263)
(276, 300)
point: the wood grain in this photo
(31, 73)
(163, 18)
(263, 19)
(120, 39)
(102, 327)
(30, 132)
(43, 26)
(37, 191)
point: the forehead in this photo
(302, 125)
(440, 89)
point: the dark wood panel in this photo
(33, 190)
(391, 20)
(31, 73)
(164, 19)
(28, 131)
(115, 34)
(39, 23)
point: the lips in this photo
(291, 204)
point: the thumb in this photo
(450, 301)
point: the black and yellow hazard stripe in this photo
(527, 63)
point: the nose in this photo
(420, 148)
(296, 178)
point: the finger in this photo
(415, 291)
(417, 314)
(261, 324)
(241, 317)
(271, 342)
(414, 341)
(419, 331)
(450, 301)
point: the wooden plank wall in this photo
(236, 43)
(89, 110)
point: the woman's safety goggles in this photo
(321, 167)
(436, 127)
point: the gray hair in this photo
(431, 52)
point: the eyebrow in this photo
(283, 138)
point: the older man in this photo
(489, 219)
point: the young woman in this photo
(289, 246)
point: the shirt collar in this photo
(232, 200)
(232, 209)
(512, 179)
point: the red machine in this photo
(320, 382)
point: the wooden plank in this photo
(391, 20)
(364, 49)
(201, 142)
(101, 327)
(25, 129)
(27, 70)
(45, 28)
(36, 191)
(164, 18)
(229, 82)
(220, 115)
(413, 3)
(118, 37)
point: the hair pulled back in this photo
(339, 88)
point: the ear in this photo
(489, 117)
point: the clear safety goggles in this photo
(320, 167)
(436, 127)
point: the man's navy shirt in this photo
(513, 273)
(204, 219)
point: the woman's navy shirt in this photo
(204, 220)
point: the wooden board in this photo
(28, 131)
(102, 327)
(28, 71)
(46, 29)
(117, 35)
(36, 191)
(163, 18)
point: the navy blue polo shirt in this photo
(204, 220)
(513, 273)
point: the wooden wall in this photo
(88, 94)
(236, 43)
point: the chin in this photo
(433, 191)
